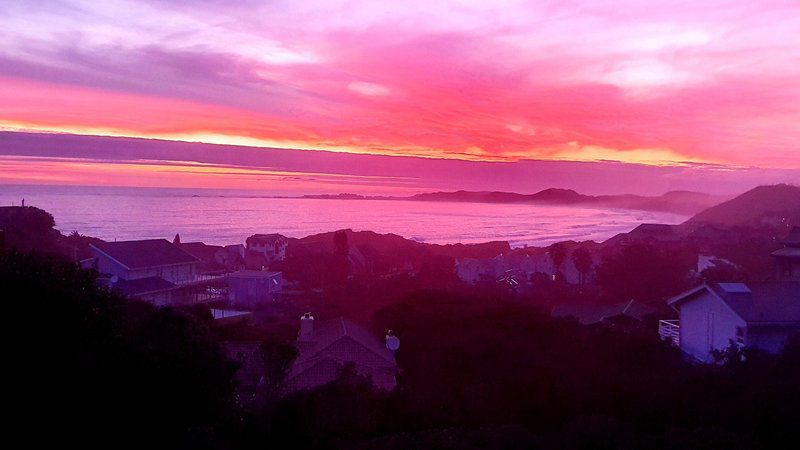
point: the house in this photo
(131, 260)
(759, 315)
(249, 288)
(271, 246)
(206, 254)
(325, 347)
(154, 270)
(231, 256)
(787, 259)
(520, 265)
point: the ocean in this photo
(229, 217)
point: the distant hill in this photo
(770, 206)
(678, 202)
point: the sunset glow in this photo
(657, 83)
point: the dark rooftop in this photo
(767, 301)
(772, 302)
(328, 332)
(146, 253)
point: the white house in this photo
(272, 246)
(759, 315)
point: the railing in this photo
(199, 279)
(670, 330)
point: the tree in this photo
(277, 358)
(583, 262)
(557, 253)
(644, 272)
(341, 246)
(131, 370)
(340, 269)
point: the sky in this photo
(622, 96)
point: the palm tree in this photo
(557, 253)
(583, 262)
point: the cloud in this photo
(368, 89)
(644, 81)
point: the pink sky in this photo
(658, 83)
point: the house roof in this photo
(369, 354)
(142, 286)
(145, 253)
(766, 303)
(200, 250)
(328, 332)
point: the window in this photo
(740, 331)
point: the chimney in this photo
(306, 327)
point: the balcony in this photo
(670, 330)
(200, 279)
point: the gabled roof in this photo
(328, 332)
(145, 253)
(767, 303)
(317, 358)
(200, 250)
(142, 286)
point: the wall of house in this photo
(769, 339)
(175, 274)
(109, 266)
(273, 252)
(249, 292)
(706, 324)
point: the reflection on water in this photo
(225, 217)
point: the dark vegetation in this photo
(92, 368)
(476, 371)
(31, 229)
